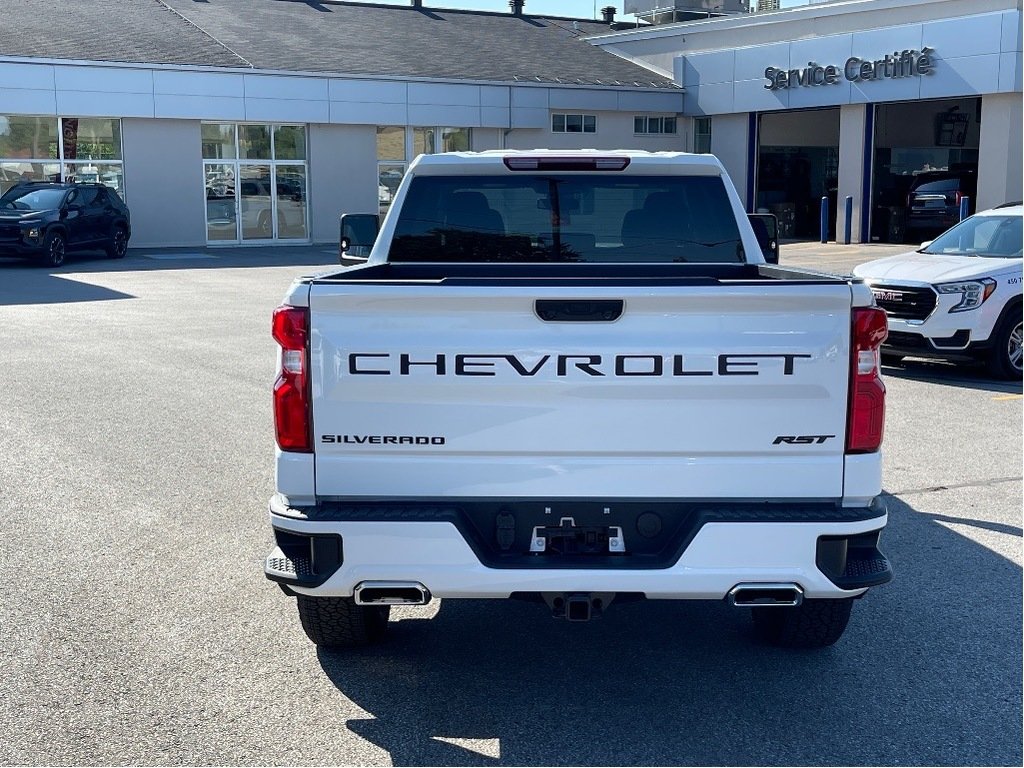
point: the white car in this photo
(958, 297)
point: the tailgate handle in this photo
(578, 310)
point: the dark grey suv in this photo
(933, 202)
(44, 221)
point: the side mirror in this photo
(766, 230)
(358, 234)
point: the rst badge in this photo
(801, 439)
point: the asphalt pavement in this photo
(137, 627)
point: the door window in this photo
(256, 203)
(290, 185)
(86, 197)
(221, 214)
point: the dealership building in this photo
(255, 121)
(849, 99)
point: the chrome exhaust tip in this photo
(747, 595)
(391, 593)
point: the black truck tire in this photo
(812, 624)
(337, 622)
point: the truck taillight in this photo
(291, 390)
(866, 420)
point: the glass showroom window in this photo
(702, 135)
(397, 144)
(391, 157)
(565, 123)
(255, 178)
(646, 125)
(61, 149)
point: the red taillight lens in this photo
(958, 196)
(866, 421)
(291, 390)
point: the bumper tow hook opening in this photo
(746, 595)
(391, 593)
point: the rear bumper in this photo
(938, 219)
(828, 551)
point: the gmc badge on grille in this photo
(888, 295)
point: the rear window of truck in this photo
(533, 218)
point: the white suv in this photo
(959, 296)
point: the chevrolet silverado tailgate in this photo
(658, 391)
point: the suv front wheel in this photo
(1006, 356)
(54, 250)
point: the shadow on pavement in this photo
(929, 673)
(963, 375)
(37, 286)
(193, 258)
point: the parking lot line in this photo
(1008, 397)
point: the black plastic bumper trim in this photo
(303, 559)
(476, 521)
(853, 562)
(917, 345)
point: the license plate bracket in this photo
(567, 538)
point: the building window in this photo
(455, 139)
(564, 123)
(645, 125)
(391, 162)
(85, 149)
(255, 178)
(396, 144)
(702, 135)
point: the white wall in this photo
(94, 89)
(721, 63)
(657, 47)
(730, 144)
(1000, 159)
(486, 138)
(342, 176)
(852, 125)
(164, 185)
(614, 131)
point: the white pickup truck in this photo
(571, 378)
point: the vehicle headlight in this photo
(973, 293)
(32, 233)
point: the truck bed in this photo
(576, 274)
